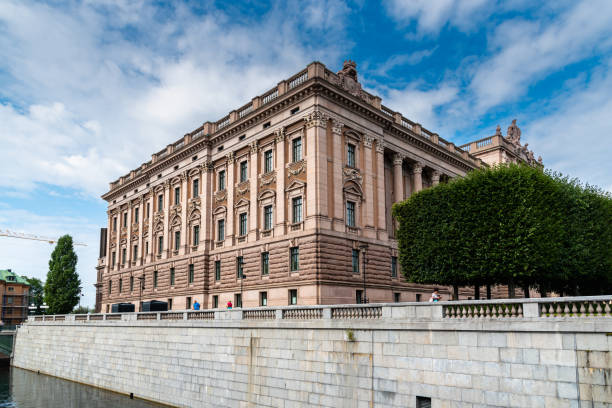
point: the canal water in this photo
(25, 389)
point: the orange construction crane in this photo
(11, 234)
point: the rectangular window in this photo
(177, 196)
(295, 258)
(160, 202)
(148, 208)
(147, 248)
(220, 230)
(268, 161)
(188, 303)
(355, 261)
(195, 189)
(221, 180)
(123, 255)
(160, 245)
(297, 209)
(191, 273)
(125, 220)
(110, 286)
(114, 223)
(397, 297)
(297, 149)
(113, 259)
(217, 270)
(263, 298)
(239, 267)
(350, 155)
(135, 257)
(215, 303)
(243, 224)
(243, 171)
(423, 402)
(154, 279)
(177, 240)
(268, 217)
(169, 304)
(136, 211)
(350, 213)
(196, 235)
(359, 297)
(171, 276)
(131, 283)
(120, 285)
(142, 282)
(238, 300)
(394, 266)
(265, 263)
(417, 297)
(293, 296)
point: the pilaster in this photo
(151, 234)
(183, 249)
(141, 215)
(380, 190)
(128, 244)
(254, 193)
(338, 167)
(368, 186)
(280, 221)
(206, 238)
(166, 248)
(316, 171)
(229, 185)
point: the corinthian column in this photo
(398, 182)
(368, 183)
(253, 186)
(435, 178)
(380, 190)
(316, 169)
(417, 174)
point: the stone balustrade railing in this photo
(515, 309)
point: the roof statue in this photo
(347, 80)
(514, 133)
(498, 131)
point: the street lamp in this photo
(363, 247)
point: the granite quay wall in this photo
(510, 353)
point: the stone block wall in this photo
(357, 356)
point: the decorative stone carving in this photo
(296, 168)
(230, 157)
(435, 177)
(514, 133)
(184, 175)
(206, 166)
(220, 196)
(159, 216)
(351, 174)
(367, 141)
(380, 147)
(269, 179)
(498, 131)
(279, 135)
(243, 188)
(398, 159)
(337, 127)
(253, 147)
(417, 168)
(316, 118)
(347, 80)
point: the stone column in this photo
(253, 186)
(229, 186)
(128, 245)
(167, 248)
(435, 177)
(183, 249)
(368, 184)
(141, 215)
(151, 217)
(108, 241)
(380, 189)
(417, 173)
(316, 169)
(398, 182)
(206, 195)
(338, 166)
(279, 214)
(118, 240)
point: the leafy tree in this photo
(36, 293)
(82, 310)
(63, 286)
(512, 225)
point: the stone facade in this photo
(295, 189)
(14, 292)
(530, 353)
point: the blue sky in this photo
(89, 89)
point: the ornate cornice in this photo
(279, 135)
(316, 118)
(367, 141)
(337, 127)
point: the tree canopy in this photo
(510, 224)
(36, 293)
(63, 286)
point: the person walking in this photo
(229, 304)
(435, 296)
(196, 305)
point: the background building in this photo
(286, 200)
(15, 295)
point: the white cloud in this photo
(527, 51)
(420, 105)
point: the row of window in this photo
(190, 279)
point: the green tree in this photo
(512, 225)
(36, 293)
(63, 286)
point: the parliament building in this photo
(286, 200)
